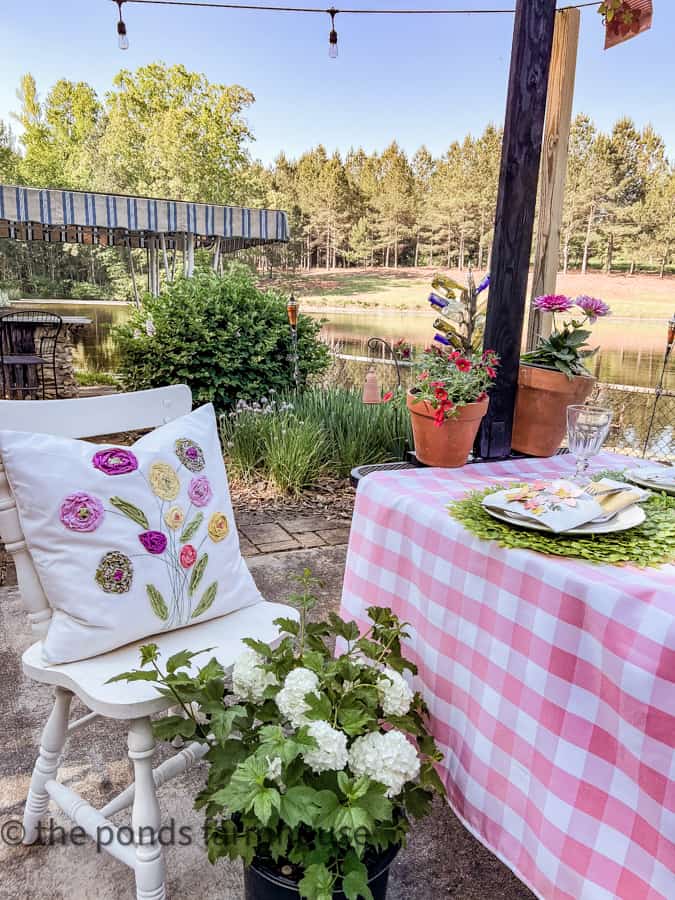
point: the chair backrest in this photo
(22, 329)
(87, 417)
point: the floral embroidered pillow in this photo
(128, 541)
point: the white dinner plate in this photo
(636, 478)
(622, 521)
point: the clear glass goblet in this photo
(587, 428)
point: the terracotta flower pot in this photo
(448, 445)
(540, 417)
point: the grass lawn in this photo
(636, 296)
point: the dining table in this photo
(550, 681)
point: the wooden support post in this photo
(133, 273)
(516, 200)
(553, 171)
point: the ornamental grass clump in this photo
(317, 763)
(565, 349)
(290, 440)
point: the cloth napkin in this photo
(562, 505)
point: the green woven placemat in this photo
(649, 544)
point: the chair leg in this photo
(47, 764)
(145, 816)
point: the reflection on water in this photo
(631, 350)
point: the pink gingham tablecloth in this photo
(551, 683)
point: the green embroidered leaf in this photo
(207, 599)
(197, 572)
(157, 602)
(131, 512)
(191, 529)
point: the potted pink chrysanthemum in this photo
(553, 375)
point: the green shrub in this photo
(221, 335)
(289, 442)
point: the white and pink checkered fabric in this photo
(551, 683)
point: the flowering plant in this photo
(565, 348)
(403, 350)
(449, 381)
(621, 17)
(317, 762)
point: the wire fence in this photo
(644, 421)
(643, 424)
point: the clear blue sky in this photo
(417, 79)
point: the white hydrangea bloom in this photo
(331, 754)
(249, 680)
(274, 768)
(395, 694)
(291, 698)
(389, 758)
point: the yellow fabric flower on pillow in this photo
(164, 481)
(174, 517)
(218, 526)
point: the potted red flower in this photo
(447, 403)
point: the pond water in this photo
(631, 350)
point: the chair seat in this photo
(121, 700)
(24, 359)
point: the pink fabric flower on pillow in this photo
(115, 461)
(200, 491)
(188, 556)
(153, 541)
(81, 512)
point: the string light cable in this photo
(123, 40)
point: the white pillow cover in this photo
(128, 541)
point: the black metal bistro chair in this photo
(27, 344)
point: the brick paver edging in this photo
(290, 534)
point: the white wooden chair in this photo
(136, 701)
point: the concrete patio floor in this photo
(441, 860)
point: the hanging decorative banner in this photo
(624, 19)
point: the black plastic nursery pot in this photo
(262, 883)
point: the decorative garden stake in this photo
(292, 308)
(371, 388)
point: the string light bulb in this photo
(332, 37)
(122, 39)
